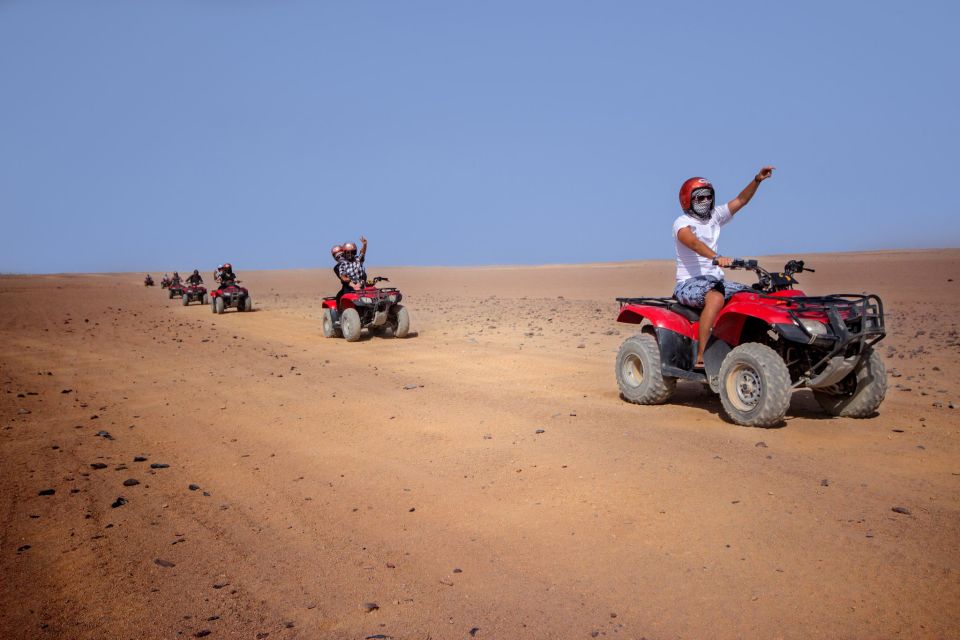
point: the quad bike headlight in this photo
(392, 297)
(366, 300)
(814, 327)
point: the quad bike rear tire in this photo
(247, 304)
(206, 299)
(185, 299)
(218, 306)
(754, 385)
(213, 305)
(639, 375)
(402, 328)
(350, 325)
(859, 394)
(329, 326)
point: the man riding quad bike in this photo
(148, 281)
(766, 341)
(752, 345)
(229, 293)
(368, 306)
(176, 286)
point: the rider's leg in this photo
(712, 303)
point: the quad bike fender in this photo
(733, 316)
(659, 318)
(330, 303)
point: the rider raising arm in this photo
(700, 283)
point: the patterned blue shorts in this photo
(693, 291)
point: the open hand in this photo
(363, 240)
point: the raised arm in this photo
(363, 247)
(747, 194)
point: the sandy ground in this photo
(331, 500)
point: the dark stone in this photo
(193, 487)
(139, 459)
(67, 391)
(220, 585)
(159, 465)
(166, 564)
(824, 483)
(369, 606)
(119, 502)
(105, 435)
(540, 431)
(23, 548)
(46, 492)
(902, 510)
(761, 444)
(131, 482)
(474, 630)
(458, 570)
(202, 634)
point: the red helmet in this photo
(227, 266)
(336, 250)
(349, 246)
(686, 193)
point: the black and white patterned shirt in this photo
(354, 269)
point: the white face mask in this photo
(702, 207)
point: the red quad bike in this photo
(765, 343)
(148, 281)
(194, 293)
(176, 289)
(230, 294)
(164, 283)
(371, 307)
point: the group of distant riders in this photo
(223, 276)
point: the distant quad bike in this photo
(164, 283)
(373, 308)
(230, 295)
(194, 293)
(148, 281)
(176, 289)
(765, 343)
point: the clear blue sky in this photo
(155, 135)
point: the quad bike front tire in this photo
(402, 328)
(350, 325)
(213, 305)
(205, 299)
(185, 299)
(329, 326)
(859, 394)
(247, 304)
(218, 306)
(639, 375)
(754, 385)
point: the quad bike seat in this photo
(691, 314)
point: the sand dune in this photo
(479, 479)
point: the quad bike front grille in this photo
(853, 318)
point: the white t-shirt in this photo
(689, 263)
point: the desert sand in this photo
(480, 478)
